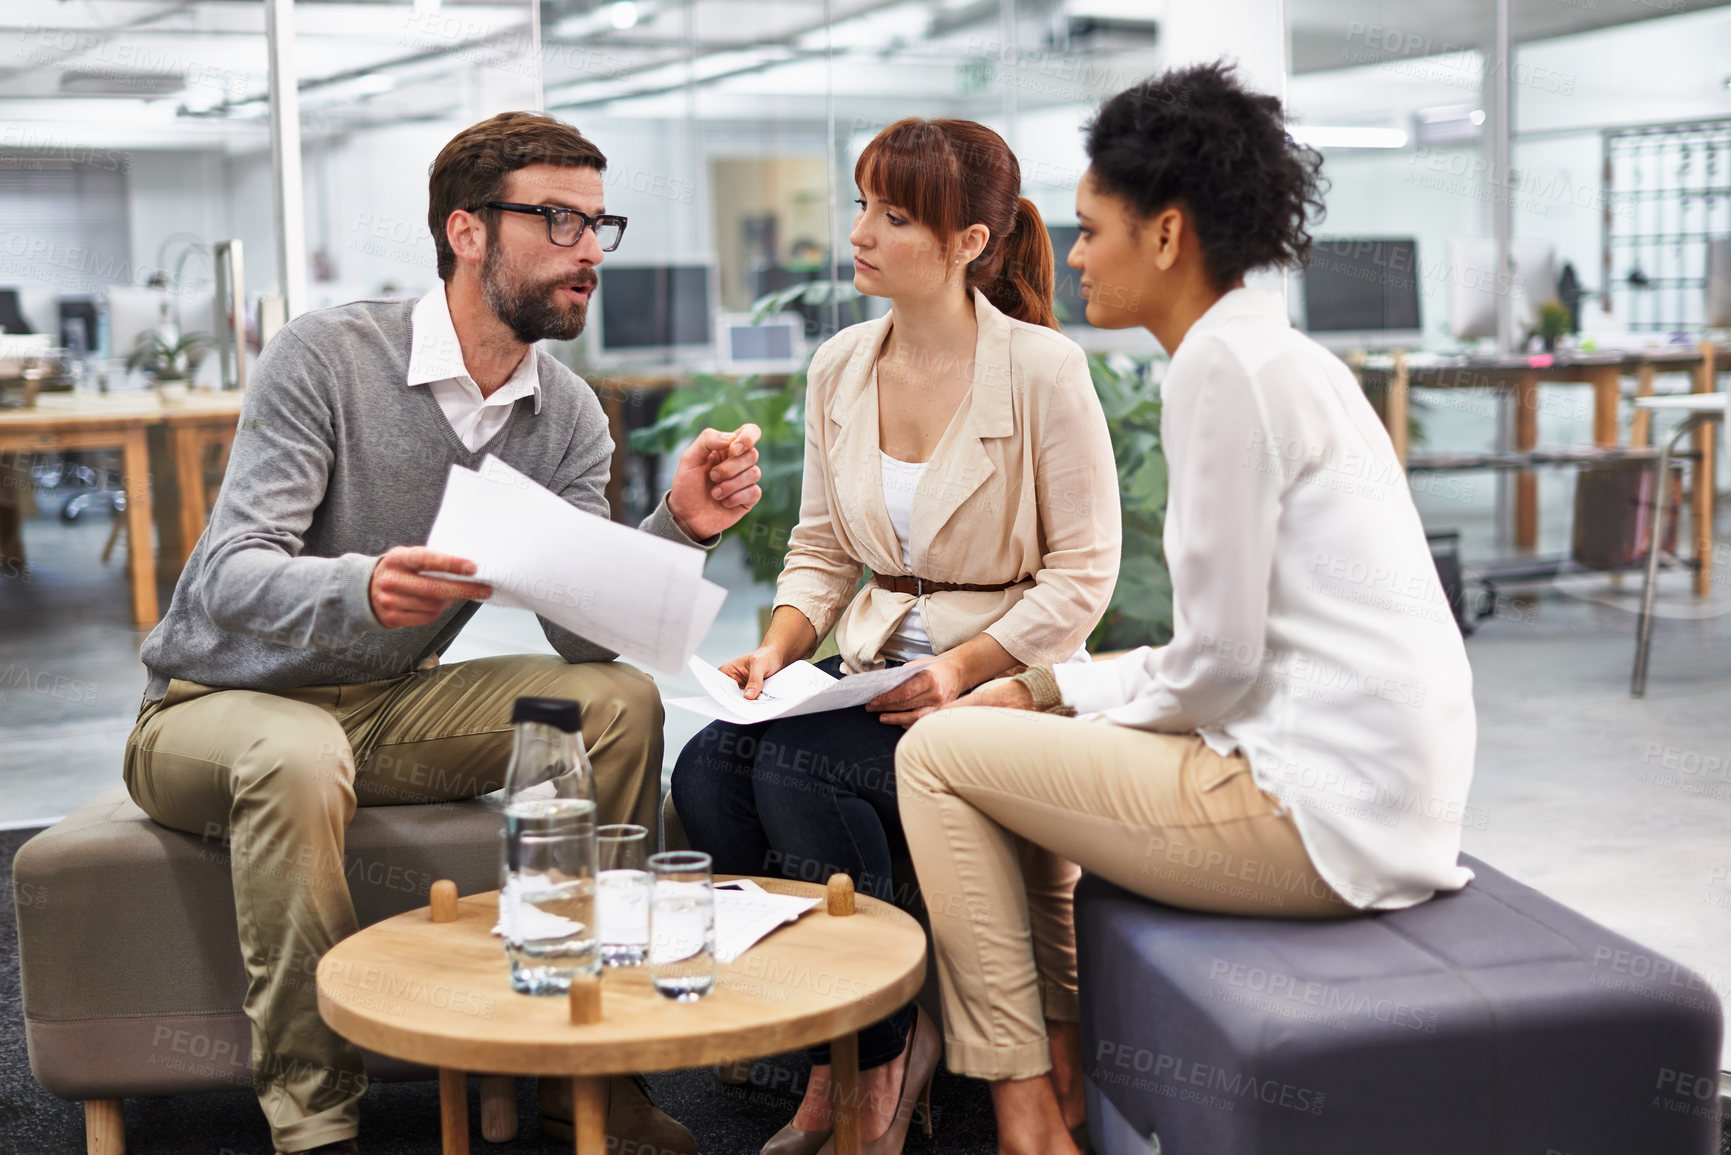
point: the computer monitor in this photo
(12, 313)
(80, 326)
(1476, 284)
(654, 312)
(1718, 306)
(1363, 292)
(132, 312)
(1067, 299)
(776, 345)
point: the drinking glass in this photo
(547, 901)
(622, 894)
(682, 925)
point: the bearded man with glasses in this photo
(296, 674)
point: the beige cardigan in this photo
(1021, 488)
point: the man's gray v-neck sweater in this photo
(336, 460)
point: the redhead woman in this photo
(1307, 735)
(956, 450)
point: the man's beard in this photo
(534, 311)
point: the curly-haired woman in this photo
(1303, 746)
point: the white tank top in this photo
(901, 479)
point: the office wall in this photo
(366, 211)
(1250, 33)
(176, 192)
(63, 228)
(793, 190)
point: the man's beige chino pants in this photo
(278, 775)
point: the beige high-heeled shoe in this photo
(790, 1140)
(924, 1051)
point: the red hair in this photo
(949, 174)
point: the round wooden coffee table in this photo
(439, 993)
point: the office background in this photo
(136, 135)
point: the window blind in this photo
(63, 222)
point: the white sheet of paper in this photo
(634, 593)
(744, 915)
(801, 688)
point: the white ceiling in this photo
(192, 73)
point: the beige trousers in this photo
(1158, 814)
(280, 774)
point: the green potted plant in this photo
(710, 400)
(1140, 612)
(1553, 323)
(170, 367)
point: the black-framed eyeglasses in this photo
(565, 226)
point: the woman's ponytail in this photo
(1023, 286)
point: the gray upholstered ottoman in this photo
(130, 963)
(1491, 1021)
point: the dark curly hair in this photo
(1197, 138)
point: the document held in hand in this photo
(801, 688)
(642, 596)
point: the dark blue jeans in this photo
(801, 798)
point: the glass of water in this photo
(682, 925)
(622, 894)
(547, 901)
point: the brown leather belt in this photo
(919, 587)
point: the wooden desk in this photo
(1703, 364)
(189, 431)
(1522, 374)
(123, 421)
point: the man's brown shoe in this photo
(634, 1123)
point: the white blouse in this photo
(1309, 627)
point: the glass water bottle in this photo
(548, 868)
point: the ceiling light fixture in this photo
(1347, 136)
(374, 83)
(622, 15)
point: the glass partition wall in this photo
(731, 127)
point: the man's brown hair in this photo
(471, 169)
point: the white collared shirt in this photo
(1309, 627)
(436, 361)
